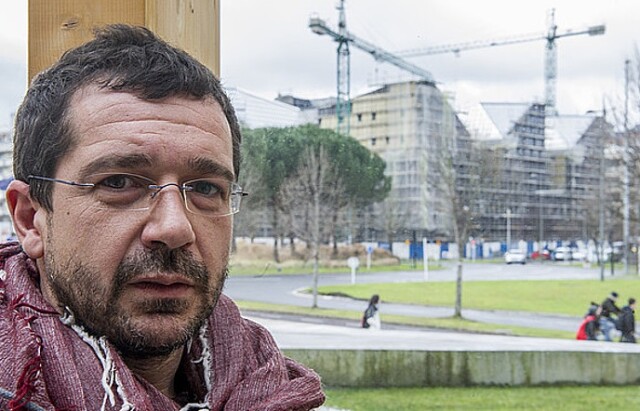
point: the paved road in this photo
(296, 335)
(283, 290)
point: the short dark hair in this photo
(632, 301)
(121, 58)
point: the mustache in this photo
(159, 260)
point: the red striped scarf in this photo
(234, 364)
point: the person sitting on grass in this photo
(589, 327)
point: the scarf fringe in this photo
(109, 374)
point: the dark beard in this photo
(97, 311)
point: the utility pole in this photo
(541, 216)
(625, 161)
(508, 229)
(601, 199)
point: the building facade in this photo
(409, 125)
(522, 174)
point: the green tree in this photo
(272, 155)
(361, 172)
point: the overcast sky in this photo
(267, 48)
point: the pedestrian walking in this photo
(371, 316)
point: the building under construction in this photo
(517, 168)
(523, 173)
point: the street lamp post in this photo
(508, 229)
(540, 219)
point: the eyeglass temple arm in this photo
(56, 180)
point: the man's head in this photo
(614, 295)
(123, 58)
(632, 302)
(123, 236)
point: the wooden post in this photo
(58, 25)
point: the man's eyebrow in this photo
(112, 162)
(207, 166)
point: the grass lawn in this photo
(271, 268)
(494, 398)
(570, 297)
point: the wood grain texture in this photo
(193, 25)
(58, 25)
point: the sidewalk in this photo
(319, 336)
(514, 318)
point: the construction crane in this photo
(344, 38)
(551, 53)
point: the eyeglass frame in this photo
(235, 191)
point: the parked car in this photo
(561, 254)
(541, 255)
(578, 255)
(515, 256)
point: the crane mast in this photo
(343, 103)
(343, 37)
(551, 52)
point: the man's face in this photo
(144, 279)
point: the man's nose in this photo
(168, 222)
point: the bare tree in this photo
(308, 198)
(252, 218)
(459, 186)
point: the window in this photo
(373, 115)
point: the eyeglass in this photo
(122, 191)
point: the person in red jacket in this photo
(588, 329)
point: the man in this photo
(627, 322)
(126, 154)
(607, 308)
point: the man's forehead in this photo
(128, 132)
(95, 95)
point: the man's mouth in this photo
(163, 285)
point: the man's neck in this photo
(158, 371)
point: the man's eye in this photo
(204, 188)
(118, 182)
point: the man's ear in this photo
(28, 218)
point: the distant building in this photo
(550, 168)
(405, 124)
(522, 173)
(255, 112)
(512, 162)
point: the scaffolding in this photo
(546, 190)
